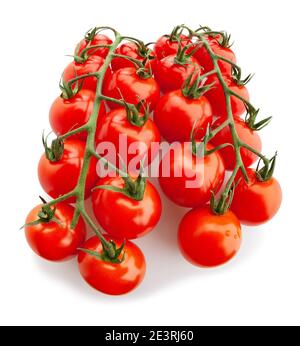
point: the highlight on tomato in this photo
(132, 134)
(113, 277)
(69, 112)
(187, 177)
(49, 233)
(126, 208)
(257, 201)
(60, 166)
(132, 86)
(178, 111)
(208, 240)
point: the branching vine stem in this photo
(90, 151)
(237, 143)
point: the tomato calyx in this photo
(45, 215)
(196, 88)
(55, 152)
(266, 172)
(133, 114)
(67, 89)
(237, 75)
(133, 189)
(251, 116)
(221, 206)
(106, 255)
(222, 37)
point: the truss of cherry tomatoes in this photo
(185, 88)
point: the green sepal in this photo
(251, 116)
(55, 152)
(236, 75)
(197, 88)
(104, 256)
(45, 215)
(133, 113)
(67, 90)
(266, 172)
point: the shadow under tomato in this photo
(165, 264)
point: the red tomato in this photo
(189, 180)
(205, 60)
(132, 87)
(217, 98)
(99, 39)
(61, 177)
(112, 278)
(171, 75)
(258, 201)
(130, 49)
(124, 217)
(92, 65)
(165, 46)
(68, 114)
(55, 241)
(247, 135)
(209, 240)
(116, 124)
(176, 114)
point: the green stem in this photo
(237, 143)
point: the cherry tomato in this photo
(205, 60)
(92, 65)
(165, 46)
(130, 49)
(188, 180)
(68, 114)
(55, 241)
(209, 240)
(247, 135)
(61, 177)
(99, 39)
(176, 114)
(171, 75)
(139, 139)
(124, 217)
(217, 98)
(112, 278)
(132, 88)
(258, 201)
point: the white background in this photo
(262, 285)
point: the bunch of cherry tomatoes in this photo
(186, 88)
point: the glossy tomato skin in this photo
(175, 116)
(257, 202)
(132, 87)
(68, 114)
(205, 60)
(209, 240)
(179, 169)
(116, 124)
(92, 65)
(123, 217)
(246, 134)
(111, 278)
(61, 177)
(130, 49)
(217, 98)
(171, 75)
(53, 241)
(99, 39)
(165, 47)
